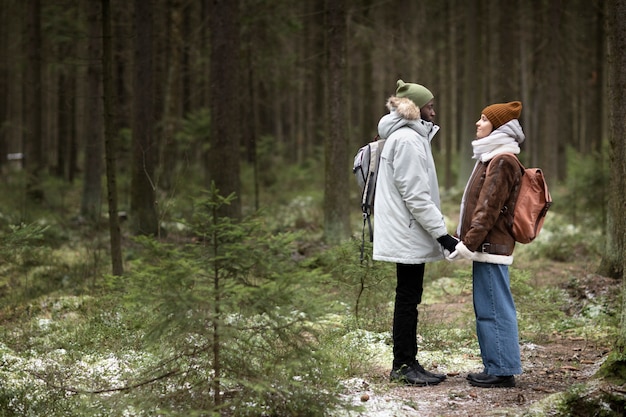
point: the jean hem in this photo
(503, 371)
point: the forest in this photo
(180, 228)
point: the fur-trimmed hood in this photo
(403, 112)
(404, 107)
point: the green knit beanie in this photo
(418, 94)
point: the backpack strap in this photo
(369, 190)
(366, 219)
(513, 198)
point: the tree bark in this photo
(336, 209)
(143, 212)
(12, 129)
(547, 97)
(450, 93)
(93, 141)
(172, 113)
(33, 109)
(250, 128)
(365, 113)
(65, 122)
(4, 81)
(110, 141)
(613, 257)
(223, 157)
(473, 97)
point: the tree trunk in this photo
(33, 131)
(4, 81)
(93, 147)
(223, 157)
(547, 97)
(250, 128)
(336, 209)
(122, 74)
(143, 213)
(503, 56)
(613, 256)
(65, 123)
(110, 141)
(449, 96)
(172, 100)
(366, 112)
(598, 77)
(473, 99)
(314, 90)
(12, 130)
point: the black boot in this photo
(409, 375)
(419, 368)
(483, 380)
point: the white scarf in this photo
(497, 142)
(506, 138)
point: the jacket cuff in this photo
(464, 252)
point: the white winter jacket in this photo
(407, 215)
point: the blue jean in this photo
(496, 319)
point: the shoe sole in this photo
(440, 378)
(510, 384)
(413, 384)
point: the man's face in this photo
(428, 111)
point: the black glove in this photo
(448, 242)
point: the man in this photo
(408, 219)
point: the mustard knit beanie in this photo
(501, 113)
(418, 94)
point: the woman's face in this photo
(483, 127)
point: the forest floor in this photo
(554, 367)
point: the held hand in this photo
(448, 242)
(451, 257)
(462, 252)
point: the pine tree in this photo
(232, 306)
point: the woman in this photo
(486, 239)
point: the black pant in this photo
(409, 289)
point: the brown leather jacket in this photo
(485, 226)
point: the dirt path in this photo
(547, 370)
(554, 367)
